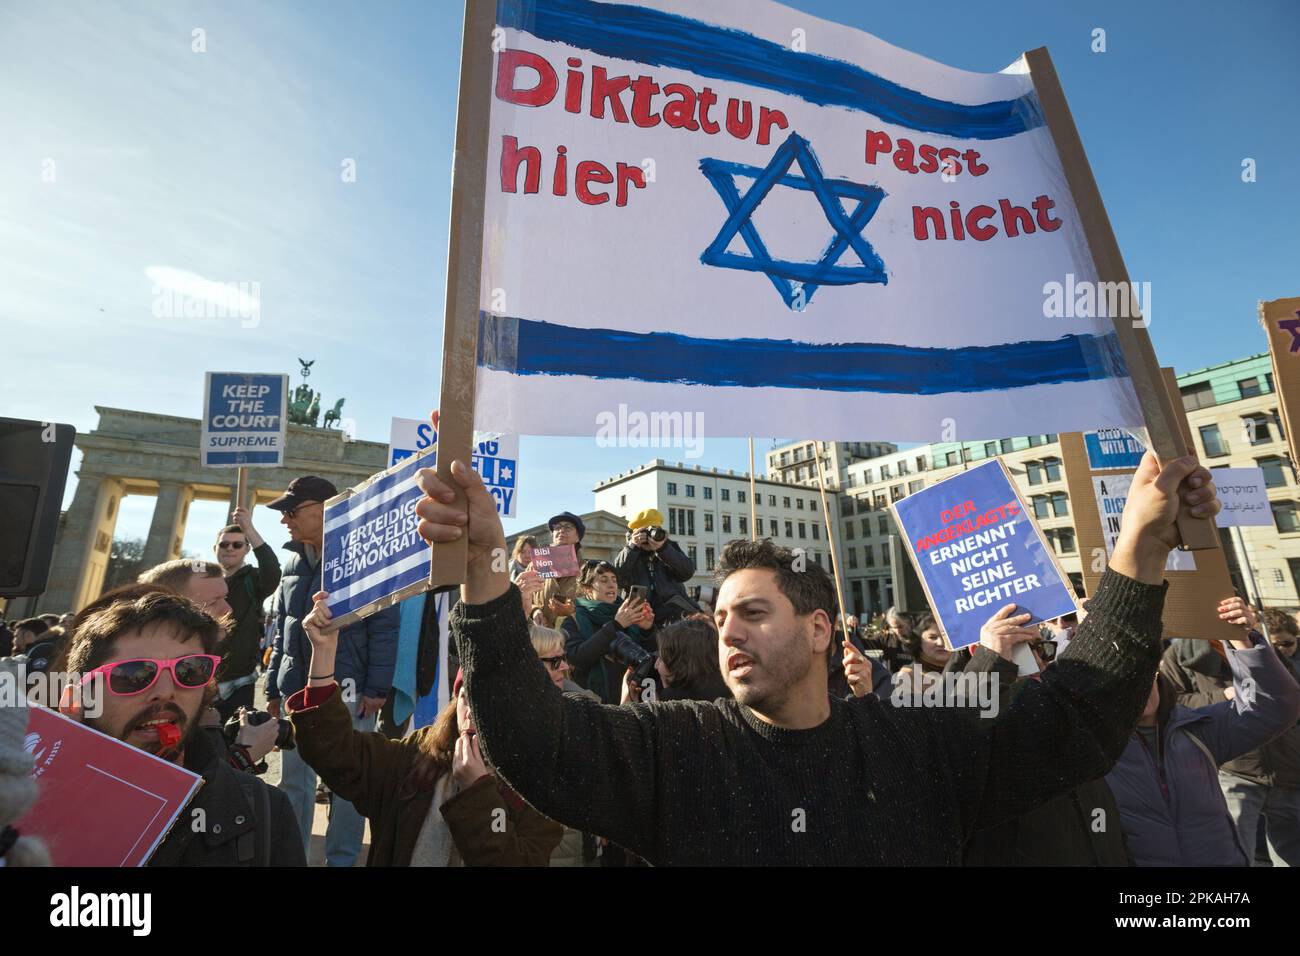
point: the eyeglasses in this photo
(563, 526)
(555, 663)
(294, 510)
(237, 545)
(128, 678)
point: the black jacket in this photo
(222, 826)
(664, 574)
(246, 589)
(1200, 677)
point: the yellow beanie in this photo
(647, 518)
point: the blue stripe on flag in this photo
(642, 35)
(527, 347)
(387, 586)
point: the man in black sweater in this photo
(786, 774)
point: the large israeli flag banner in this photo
(789, 226)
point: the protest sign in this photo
(1112, 494)
(1281, 321)
(977, 550)
(1244, 496)
(102, 802)
(1113, 448)
(557, 561)
(244, 420)
(373, 554)
(409, 436)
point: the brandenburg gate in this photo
(134, 452)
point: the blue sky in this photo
(227, 164)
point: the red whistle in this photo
(169, 735)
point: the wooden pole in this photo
(753, 495)
(241, 488)
(830, 541)
(464, 266)
(1157, 408)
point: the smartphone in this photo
(637, 591)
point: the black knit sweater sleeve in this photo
(1071, 725)
(587, 765)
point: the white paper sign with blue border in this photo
(410, 436)
(495, 457)
(976, 550)
(373, 553)
(245, 420)
(1113, 448)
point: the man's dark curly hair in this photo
(808, 589)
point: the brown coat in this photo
(368, 770)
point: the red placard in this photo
(102, 802)
(557, 561)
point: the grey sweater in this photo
(688, 782)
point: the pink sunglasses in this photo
(128, 678)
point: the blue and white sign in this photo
(373, 553)
(977, 550)
(495, 457)
(244, 420)
(1113, 448)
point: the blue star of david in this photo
(795, 281)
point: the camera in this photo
(283, 739)
(626, 652)
(654, 532)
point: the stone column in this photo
(167, 529)
(84, 542)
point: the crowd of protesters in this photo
(607, 719)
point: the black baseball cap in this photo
(306, 488)
(573, 519)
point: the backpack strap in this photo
(254, 847)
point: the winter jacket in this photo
(1171, 806)
(367, 648)
(223, 825)
(369, 770)
(664, 574)
(246, 590)
(1201, 676)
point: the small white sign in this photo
(1112, 493)
(1244, 497)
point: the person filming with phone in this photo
(653, 561)
(604, 638)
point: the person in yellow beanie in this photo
(654, 561)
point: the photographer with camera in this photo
(651, 561)
(604, 638)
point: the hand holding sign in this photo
(1236, 611)
(857, 670)
(324, 636)
(1149, 529)
(1004, 630)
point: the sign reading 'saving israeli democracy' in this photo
(373, 553)
(977, 551)
(244, 419)
(781, 224)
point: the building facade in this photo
(796, 462)
(1233, 412)
(704, 509)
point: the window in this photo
(708, 559)
(914, 486)
(1274, 475)
(740, 497)
(1212, 441)
(951, 458)
(1060, 504)
(1053, 468)
(803, 529)
(672, 521)
(812, 504)
(802, 473)
(691, 553)
(880, 503)
(799, 503)
(866, 527)
(672, 487)
(1200, 395)
(1053, 438)
(920, 463)
(1035, 441)
(885, 474)
(896, 493)
(903, 469)
(771, 501)
(785, 458)
(846, 505)
(789, 529)
(690, 520)
(1007, 445)
(1255, 429)
(884, 554)
(990, 449)
(1066, 537)
(708, 493)
(869, 556)
(1284, 516)
(848, 531)
(785, 501)
(1277, 576)
(744, 524)
(817, 531)
(690, 491)
(853, 558)
(1040, 506)
(771, 522)
(1268, 385)
(708, 521)
(1249, 387)
(726, 494)
(884, 525)
(868, 476)
(1034, 470)
(726, 524)
(622, 501)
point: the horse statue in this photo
(333, 416)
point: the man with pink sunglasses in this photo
(145, 658)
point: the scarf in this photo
(591, 616)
